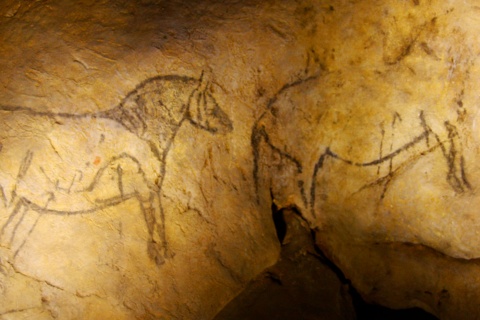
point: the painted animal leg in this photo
(154, 217)
(313, 186)
(39, 214)
(28, 233)
(18, 207)
(451, 149)
(3, 197)
(456, 169)
(18, 204)
(271, 162)
(131, 180)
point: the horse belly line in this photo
(99, 205)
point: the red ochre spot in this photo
(97, 160)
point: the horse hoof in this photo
(155, 253)
(169, 254)
(159, 260)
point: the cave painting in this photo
(65, 164)
(299, 104)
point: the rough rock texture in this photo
(384, 156)
(299, 286)
(125, 156)
(143, 142)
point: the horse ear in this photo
(204, 112)
(205, 80)
(217, 119)
(202, 82)
(196, 103)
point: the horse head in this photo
(203, 111)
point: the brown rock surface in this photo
(143, 142)
(383, 159)
(299, 286)
(110, 142)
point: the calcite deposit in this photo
(142, 144)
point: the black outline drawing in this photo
(426, 141)
(260, 134)
(154, 112)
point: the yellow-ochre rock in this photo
(143, 143)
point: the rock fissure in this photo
(54, 286)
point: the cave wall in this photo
(142, 144)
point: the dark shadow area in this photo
(366, 311)
(304, 284)
(279, 222)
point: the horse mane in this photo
(131, 111)
(131, 118)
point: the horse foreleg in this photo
(155, 220)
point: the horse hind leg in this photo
(28, 233)
(8, 233)
(456, 176)
(21, 226)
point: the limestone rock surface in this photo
(142, 144)
(126, 184)
(384, 159)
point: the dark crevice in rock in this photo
(305, 284)
(297, 286)
(366, 311)
(279, 222)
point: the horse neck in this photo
(150, 113)
(161, 138)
